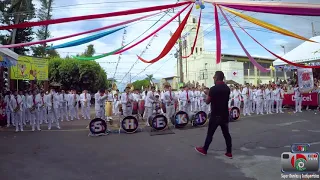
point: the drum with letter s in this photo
(181, 119)
(130, 124)
(98, 126)
(158, 122)
(234, 114)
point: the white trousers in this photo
(127, 110)
(170, 111)
(298, 101)
(18, 120)
(64, 113)
(43, 116)
(52, 117)
(187, 108)
(74, 112)
(10, 119)
(280, 105)
(101, 113)
(86, 112)
(148, 112)
(34, 120)
(246, 106)
(259, 106)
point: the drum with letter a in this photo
(135, 107)
(181, 119)
(130, 124)
(158, 122)
(234, 114)
(200, 119)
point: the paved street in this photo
(69, 154)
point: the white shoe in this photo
(49, 128)
(32, 130)
(21, 130)
(17, 130)
(58, 127)
(8, 125)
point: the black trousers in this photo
(214, 122)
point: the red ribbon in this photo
(218, 35)
(95, 16)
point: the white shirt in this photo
(52, 99)
(245, 93)
(297, 92)
(100, 101)
(110, 97)
(125, 98)
(31, 102)
(236, 94)
(15, 101)
(73, 100)
(63, 99)
(150, 98)
(85, 99)
(277, 94)
(169, 98)
(41, 101)
(268, 94)
(259, 94)
(185, 97)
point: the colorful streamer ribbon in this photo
(287, 61)
(218, 35)
(84, 40)
(253, 61)
(95, 16)
(77, 34)
(171, 41)
(195, 39)
(267, 25)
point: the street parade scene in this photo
(172, 89)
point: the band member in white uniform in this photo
(193, 99)
(116, 103)
(236, 97)
(268, 99)
(197, 94)
(85, 99)
(33, 108)
(9, 113)
(169, 100)
(64, 106)
(298, 98)
(126, 102)
(15, 107)
(259, 104)
(273, 94)
(254, 101)
(179, 100)
(245, 94)
(204, 106)
(186, 100)
(277, 98)
(52, 103)
(24, 113)
(100, 103)
(250, 100)
(150, 99)
(281, 99)
(73, 105)
(42, 114)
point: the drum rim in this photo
(134, 130)
(206, 119)
(102, 121)
(165, 128)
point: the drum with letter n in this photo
(158, 122)
(98, 126)
(234, 114)
(129, 124)
(200, 119)
(181, 119)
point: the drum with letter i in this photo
(158, 122)
(108, 108)
(234, 114)
(200, 119)
(141, 106)
(98, 127)
(134, 107)
(181, 119)
(130, 124)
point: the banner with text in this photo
(30, 68)
(308, 99)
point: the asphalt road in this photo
(69, 154)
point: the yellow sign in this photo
(30, 68)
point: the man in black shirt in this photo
(218, 97)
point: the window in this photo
(193, 20)
(200, 49)
(196, 50)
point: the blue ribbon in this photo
(84, 40)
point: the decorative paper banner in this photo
(84, 40)
(287, 61)
(96, 16)
(6, 61)
(253, 61)
(77, 34)
(218, 35)
(267, 25)
(196, 38)
(171, 41)
(300, 9)
(305, 79)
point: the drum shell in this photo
(108, 108)
(135, 107)
(141, 106)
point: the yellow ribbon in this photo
(267, 25)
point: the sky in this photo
(165, 67)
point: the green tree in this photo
(89, 52)
(141, 83)
(149, 77)
(14, 12)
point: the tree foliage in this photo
(89, 52)
(14, 12)
(79, 75)
(141, 83)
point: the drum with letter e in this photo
(129, 124)
(141, 106)
(158, 122)
(200, 119)
(135, 107)
(98, 126)
(181, 119)
(234, 114)
(108, 108)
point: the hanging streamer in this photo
(171, 41)
(77, 34)
(287, 61)
(267, 25)
(195, 39)
(84, 40)
(114, 51)
(218, 35)
(286, 8)
(253, 61)
(95, 16)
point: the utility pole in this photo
(17, 19)
(180, 55)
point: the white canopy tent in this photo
(306, 52)
(9, 53)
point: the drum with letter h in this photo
(135, 107)
(200, 119)
(158, 122)
(98, 126)
(181, 119)
(141, 106)
(234, 114)
(130, 124)
(108, 108)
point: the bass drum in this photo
(200, 118)
(135, 107)
(130, 124)
(158, 122)
(234, 114)
(181, 119)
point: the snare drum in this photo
(158, 122)
(135, 107)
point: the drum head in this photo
(200, 118)
(159, 122)
(234, 114)
(130, 124)
(98, 126)
(181, 119)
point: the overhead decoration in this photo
(285, 8)
(218, 35)
(305, 79)
(200, 4)
(77, 34)
(267, 25)
(196, 38)
(287, 61)
(84, 40)
(119, 58)
(171, 41)
(252, 60)
(95, 16)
